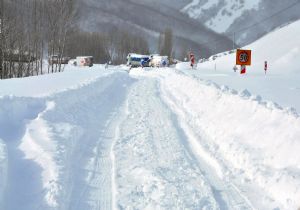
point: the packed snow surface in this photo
(152, 138)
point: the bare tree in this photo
(124, 42)
(24, 24)
(166, 43)
(60, 15)
(85, 43)
(1, 37)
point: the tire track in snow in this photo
(154, 170)
(225, 192)
(92, 112)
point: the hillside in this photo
(149, 20)
(232, 16)
(219, 15)
(280, 84)
(197, 25)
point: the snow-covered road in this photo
(156, 169)
(175, 171)
(148, 139)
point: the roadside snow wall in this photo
(251, 138)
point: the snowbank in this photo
(38, 146)
(41, 152)
(47, 84)
(254, 141)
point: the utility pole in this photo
(233, 41)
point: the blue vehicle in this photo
(145, 62)
(136, 60)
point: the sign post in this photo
(235, 68)
(243, 58)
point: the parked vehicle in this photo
(159, 61)
(136, 60)
(85, 61)
(56, 59)
(73, 62)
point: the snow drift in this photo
(255, 141)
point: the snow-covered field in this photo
(169, 138)
(281, 50)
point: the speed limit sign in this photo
(243, 57)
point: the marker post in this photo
(266, 67)
(243, 69)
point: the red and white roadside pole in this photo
(243, 69)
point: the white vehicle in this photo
(85, 61)
(159, 61)
(73, 62)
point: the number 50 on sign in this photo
(243, 57)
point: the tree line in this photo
(33, 30)
(112, 46)
(115, 45)
(30, 31)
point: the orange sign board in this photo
(243, 57)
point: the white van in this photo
(85, 61)
(159, 61)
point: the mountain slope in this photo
(219, 15)
(280, 84)
(233, 15)
(149, 20)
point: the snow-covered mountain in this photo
(197, 24)
(229, 16)
(149, 18)
(219, 15)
